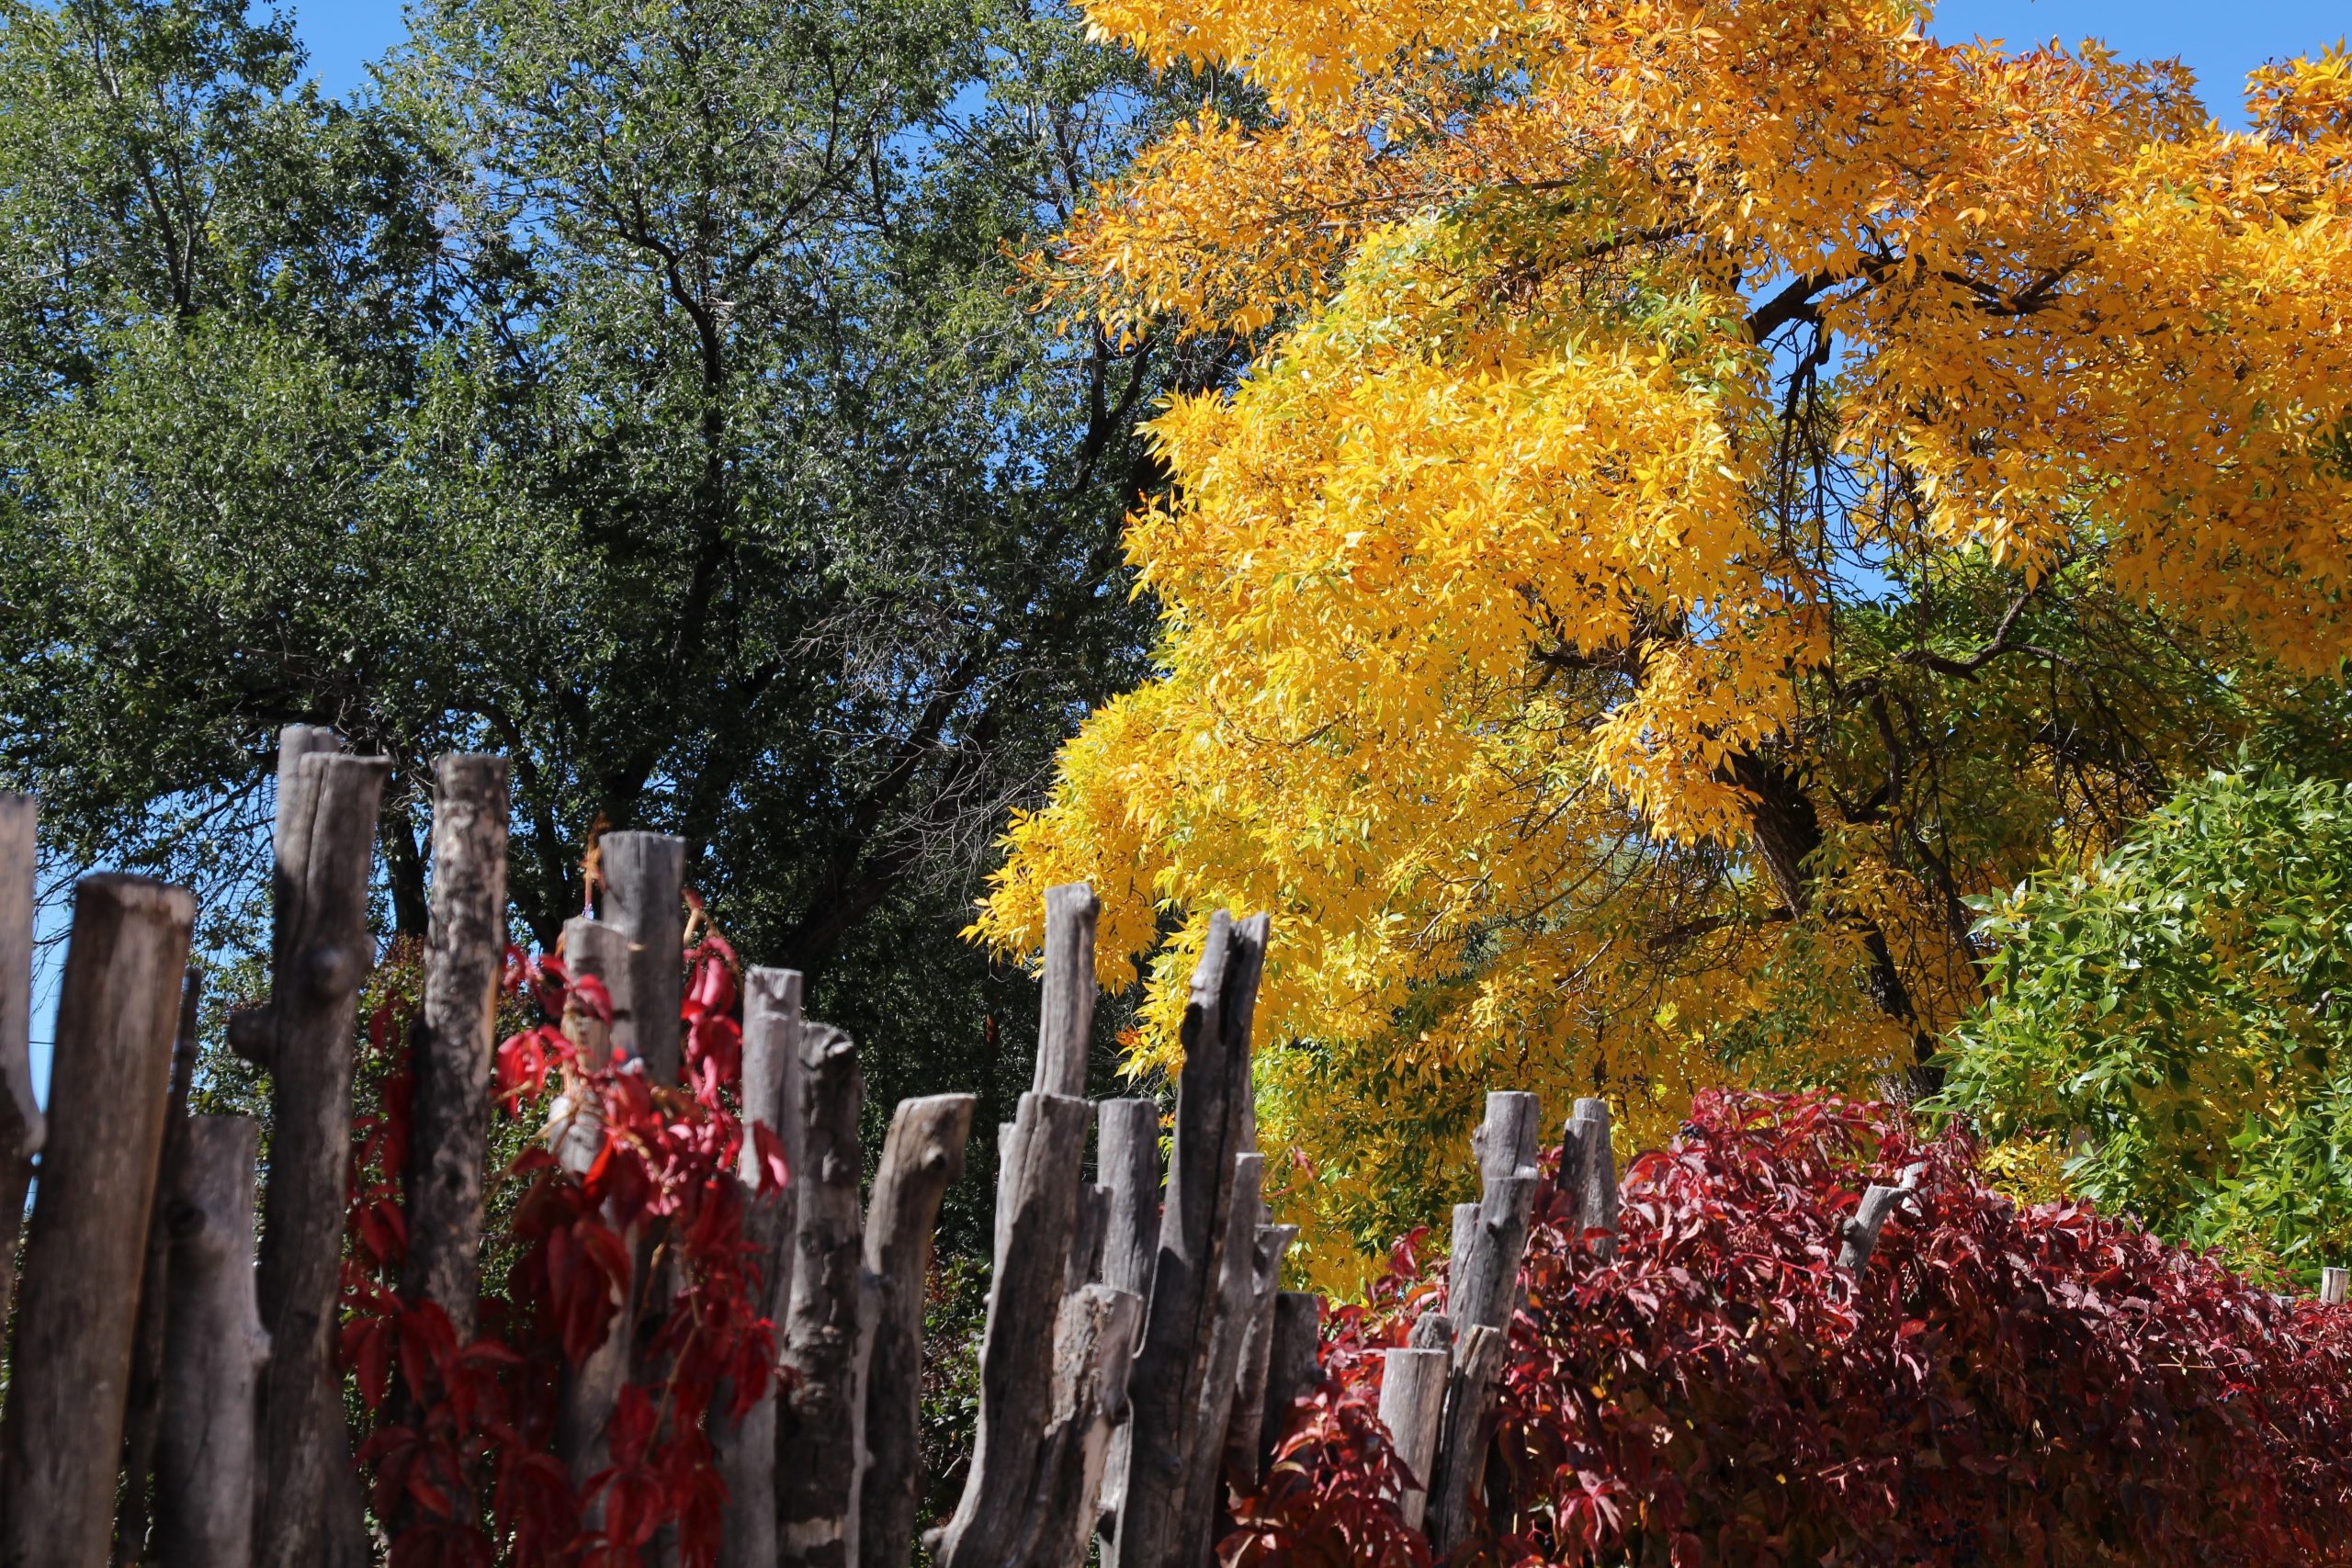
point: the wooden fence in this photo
(1138, 1346)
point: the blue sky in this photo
(2221, 42)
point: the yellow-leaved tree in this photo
(1720, 485)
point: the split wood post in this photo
(1589, 1166)
(61, 1441)
(1066, 1001)
(1293, 1369)
(1089, 1226)
(1412, 1399)
(1236, 1289)
(821, 1424)
(1242, 1440)
(576, 1135)
(1869, 1218)
(1506, 1141)
(320, 955)
(465, 954)
(21, 1125)
(922, 1156)
(145, 1408)
(1461, 1441)
(1093, 1353)
(644, 886)
(746, 1448)
(1483, 1287)
(1037, 1189)
(2332, 1283)
(206, 1459)
(1126, 1161)
(1171, 1370)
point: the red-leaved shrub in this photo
(2000, 1386)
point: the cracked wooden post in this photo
(1236, 1290)
(465, 954)
(1466, 1428)
(1093, 1353)
(922, 1156)
(2332, 1283)
(21, 1126)
(61, 1441)
(1243, 1441)
(1412, 1399)
(1293, 1366)
(1212, 1124)
(746, 1448)
(820, 1423)
(1126, 1161)
(644, 883)
(1037, 1198)
(145, 1409)
(576, 1135)
(1589, 1169)
(309, 1507)
(205, 1469)
(1869, 1218)
(1066, 999)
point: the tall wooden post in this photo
(144, 1411)
(21, 1127)
(61, 1441)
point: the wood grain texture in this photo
(644, 878)
(1237, 1287)
(1589, 1165)
(1293, 1367)
(1066, 1004)
(1465, 1433)
(118, 1011)
(144, 1411)
(1094, 1352)
(207, 1464)
(1243, 1445)
(575, 1133)
(1412, 1401)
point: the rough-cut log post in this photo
(1293, 1369)
(1093, 1351)
(1066, 1005)
(20, 1118)
(1126, 1160)
(145, 1408)
(1236, 1289)
(1465, 1235)
(1870, 1218)
(1088, 1229)
(819, 1425)
(1242, 1444)
(1212, 1127)
(746, 1448)
(1036, 1214)
(1431, 1331)
(576, 1135)
(464, 949)
(1506, 1141)
(2332, 1283)
(320, 954)
(1594, 1175)
(644, 879)
(1483, 1287)
(206, 1461)
(923, 1154)
(1412, 1400)
(1462, 1440)
(61, 1438)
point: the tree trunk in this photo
(321, 953)
(1171, 1370)
(820, 1425)
(21, 1126)
(924, 1154)
(206, 1458)
(146, 1405)
(465, 954)
(61, 1441)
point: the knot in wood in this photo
(330, 969)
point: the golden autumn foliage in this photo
(1721, 485)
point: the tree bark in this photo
(1482, 1286)
(146, 1405)
(922, 1156)
(1066, 1004)
(21, 1126)
(1036, 1212)
(206, 1458)
(61, 1441)
(320, 952)
(1412, 1400)
(746, 1448)
(465, 954)
(820, 1423)
(1172, 1369)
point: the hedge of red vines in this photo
(2001, 1386)
(460, 1437)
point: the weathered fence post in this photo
(1460, 1449)
(1166, 1389)
(592, 1388)
(145, 1407)
(1870, 1217)
(746, 1448)
(1412, 1399)
(61, 1441)
(820, 1425)
(2332, 1283)
(1093, 1351)
(20, 1120)
(1589, 1169)
(1066, 1001)
(924, 1154)
(1242, 1441)
(644, 886)
(1127, 1162)
(320, 955)
(465, 952)
(1293, 1367)
(206, 1461)
(1236, 1291)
